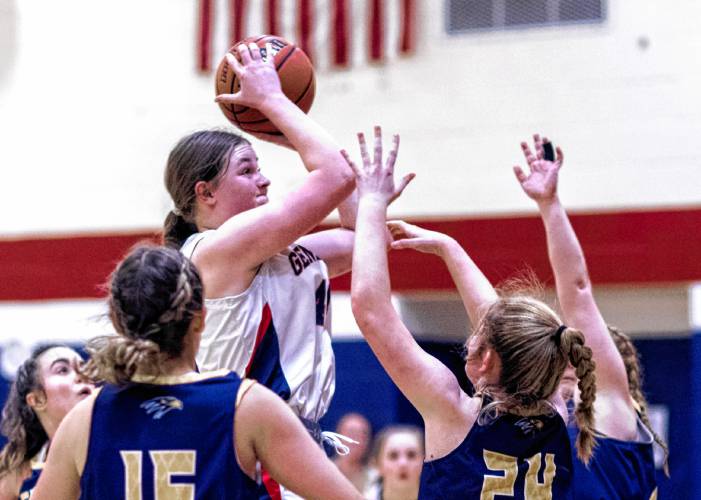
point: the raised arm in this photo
(476, 292)
(574, 288)
(252, 236)
(266, 430)
(424, 380)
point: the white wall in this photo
(93, 94)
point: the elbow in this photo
(364, 310)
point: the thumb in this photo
(520, 175)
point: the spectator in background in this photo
(354, 464)
(398, 455)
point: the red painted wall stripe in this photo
(204, 34)
(237, 21)
(376, 30)
(621, 247)
(305, 15)
(341, 33)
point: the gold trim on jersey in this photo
(186, 378)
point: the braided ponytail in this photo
(629, 354)
(580, 356)
(155, 293)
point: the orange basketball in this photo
(296, 78)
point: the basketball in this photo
(296, 78)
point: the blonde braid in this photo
(115, 359)
(580, 355)
(629, 354)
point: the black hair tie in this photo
(558, 334)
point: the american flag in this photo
(333, 33)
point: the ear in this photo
(490, 367)
(36, 400)
(204, 192)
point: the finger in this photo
(402, 184)
(392, 158)
(269, 56)
(234, 63)
(538, 144)
(378, 146)
(559, 156)
(530, 157)
(363, 149)
(228, 98)
(255, 51)
(520, 175)
(245, 53)
(350, 162)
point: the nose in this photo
(263, 181)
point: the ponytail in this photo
(580, 356)
(629, 354)
(116, 359)
(176, 230)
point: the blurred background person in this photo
(398, 455)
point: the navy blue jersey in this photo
(169, 440)
(25, 491)
(617, 470)
(511, 457)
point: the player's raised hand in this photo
(257, 74)
(540, 184)
(376, 177)
(409, 236)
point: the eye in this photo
(393, 455)
(411, 455)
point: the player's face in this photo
(242, 186)
(358, 429)
(568, 383)
(63, 388)
(473, 360)
(400, 462)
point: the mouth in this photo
(85, 391)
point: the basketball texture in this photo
(296, 78)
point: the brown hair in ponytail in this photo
(155, 293)
(629, 354)
(534, 351)
(201, 156)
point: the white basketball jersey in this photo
(277, 331)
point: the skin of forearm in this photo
(370, 277)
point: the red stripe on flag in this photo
(204, 35)
(376, 30)
(273, 18)
(265, 319)
(340, 29)
(407, 41)
(306, 20)
(237, 20)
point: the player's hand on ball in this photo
(258, 77)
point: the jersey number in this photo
(504, 485)
(165, 464)
(322, 302)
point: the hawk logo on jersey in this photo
(529, 426)
(157, 407)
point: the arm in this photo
(574, 289)
(476, 292)
(267, 430)
(424, 380)
(251, 237)
(60, 478)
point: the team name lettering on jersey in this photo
(300, 258)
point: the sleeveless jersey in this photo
(37, 464)
(277, 331)
(172, 439)
(618, 469)
(517, 457)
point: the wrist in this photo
(273, 102)
(548, 203)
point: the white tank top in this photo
(277, 331)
